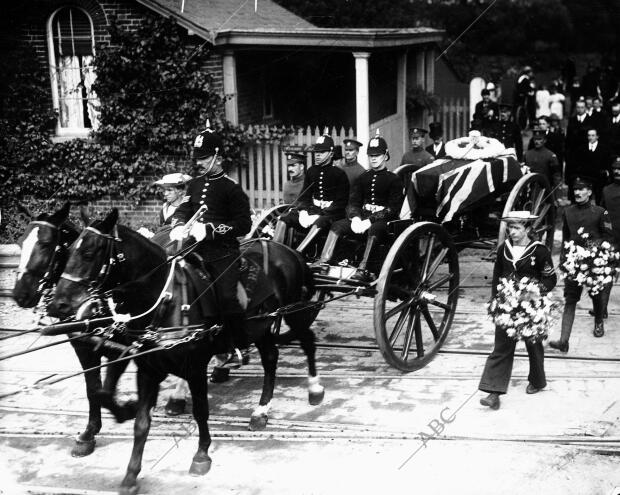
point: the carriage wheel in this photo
(265, 227)
(417, 293)
(534, 194)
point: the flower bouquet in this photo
(593, 265)
(522, 309)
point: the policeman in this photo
(375, 199)
(594, 221)
(417, 156)
(292, 188)
(227, 216)
(541, 160)
(323, 199)
(507, 132)
(351, 166)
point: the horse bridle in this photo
(112, 256)
(47, 277)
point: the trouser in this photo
(498, 368)
(572, 295)
(291, 220)
(378, 229)
(225, 273)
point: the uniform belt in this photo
(321, 204)
(373, 208)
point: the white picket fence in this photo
(265, 175)
(454, 115)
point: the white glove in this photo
(304, 219)
(356, 225)
(177, 233)
(365, 225)
(198, 231)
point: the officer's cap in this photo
(295, 157)
(538, 133)
(436, 130)
(581, 182)
(505, 108)
(174, 180)
(324, 143)
(417, 132)
(351, 142)
(485, 92)
(616, 162)
(378, 146)
(207, 143)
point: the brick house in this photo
(273, 66)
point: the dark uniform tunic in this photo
(325, 192)
(376, 195)
(611, 201)
(595, 222)
(353, 170)
(228, 209)
(544, 161)
(535, 263)
(509, 134)
(292, 189)
(419, 158)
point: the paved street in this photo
(369, 434)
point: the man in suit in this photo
(594, 162)
(486, 111)
(614, 128)
(438, 148)
(599, 119)
(575, 138)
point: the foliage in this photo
(155, 95)
(418, 99)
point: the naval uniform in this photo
(325, 192)
(376, 195)
(595, 222)
(535, 263)
(419, 158)
(353, 170)
(228, 209)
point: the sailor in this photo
(173, 189)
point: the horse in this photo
(138, 277)
(44, 251)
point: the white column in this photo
(230, 87)
(401, 104)
(362, 107)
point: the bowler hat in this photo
(207, 143)
(323, 143)
(436, 130)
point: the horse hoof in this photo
(200, 467)
(258, 422)
(315, 398)
(219, 375)
(82, 448)
(128, 490)
(175, 407)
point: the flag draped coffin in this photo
(453, 185)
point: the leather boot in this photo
(314, 231)
(491, 400)
(328, 250)
(280, 231)
(568, 317)
(234, 329)
(361, 273)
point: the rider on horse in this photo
(376, 198)
(227, 216)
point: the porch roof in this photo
(235, 24)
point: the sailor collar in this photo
(513, 258)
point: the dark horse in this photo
(140, 276)
(44, 251)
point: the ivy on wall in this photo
(155, 95)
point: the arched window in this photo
(71, 50)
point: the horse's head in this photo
(44, 248)
(104, 256)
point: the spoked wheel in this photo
(417, 293)
(532, 193)
(266, 225)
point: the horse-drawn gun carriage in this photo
(450, 205)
